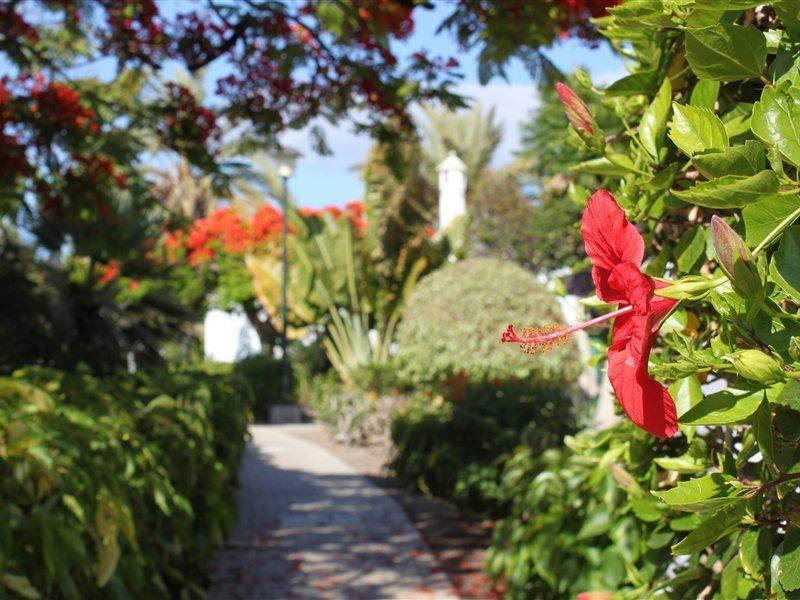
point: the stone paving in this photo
(311, 527)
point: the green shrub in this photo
(455, 448)
(455, 317)
(581, 521)
(116, 488)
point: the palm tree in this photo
(247, 170)
(473, 134)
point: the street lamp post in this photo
(285, 159)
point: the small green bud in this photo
(756, 365)
(735, 259)
(691, 287)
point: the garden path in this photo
(311, 527)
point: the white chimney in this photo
(452, 189)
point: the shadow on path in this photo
(311, 528)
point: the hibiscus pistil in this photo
(541, 339)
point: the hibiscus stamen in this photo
(542, 339)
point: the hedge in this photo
(119, 487)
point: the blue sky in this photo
(321, 180)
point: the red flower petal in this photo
(637, 288)
(644, 400)
(609, 240)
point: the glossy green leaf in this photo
(729, 581)
(775, 121)
(762, 427)
(696, 129)
(704, 94)
(690, 248)
(643, 82)
(702, 493)
(653, 126)
(762, 218)
(789, 570)
(785, 264)
(723, 408)
(790, 395)
(755, 550)
(686, 393)
(749, 158)
(737, 120)
(726, 52)
(603, 166)
(720, 524)
(731, 191)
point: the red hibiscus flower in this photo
(616, 249)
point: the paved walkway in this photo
(311, 527)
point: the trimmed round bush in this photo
(454, 319)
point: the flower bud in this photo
(756, 365)
(691, 287)
(580, 118)
(735, 259)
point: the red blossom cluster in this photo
(135, 30)
(187, 119)
(196, 36)
(14, 28)
(187, 127)
(109, 272)
(58, 107)
(225, 230)
(387, 17)
(13, 162)
(354, 211)
(578, 13)
(85, 185)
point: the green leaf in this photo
(762, 427)
(789, 569)
(731, 191)
(722, 523)
(107, 561)
(762, 218)
(702, 493)
(332, 17)
(603, 166)
(653, 126)
(775, 121)
(726, 52)
(690, 248)
(747, 159)
(723, 408)
(755, 549)
(790, 395)
(686, 393)
(789, 13)
(737, 120)
(729, 4)
(643, 82)
(19, 584)
(704, 94)
(785, 265)
(696, 129)
(729, 582)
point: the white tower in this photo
(452, 189)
